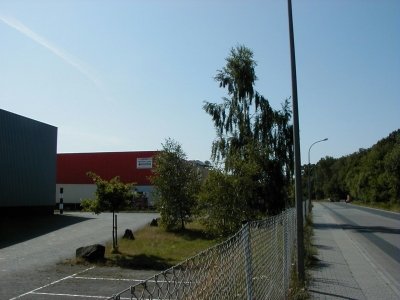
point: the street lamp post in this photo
(297, 159)
(309, 171)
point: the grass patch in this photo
(385, 206)
(309, 248)
(156, 249)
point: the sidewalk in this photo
(342, 270)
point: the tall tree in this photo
(250, 132)
(177, 183)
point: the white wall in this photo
(74, 193)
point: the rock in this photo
(91, 253)
(154, 222)
(128, 235)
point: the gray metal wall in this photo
(27, 162)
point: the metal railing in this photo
(255, 263)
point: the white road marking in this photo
(71, 295)
(80, 296)
(105, 278)
(49, 284)
(35, 291)
(126, 279)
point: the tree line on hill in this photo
(370, 175)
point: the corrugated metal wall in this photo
(27, 162)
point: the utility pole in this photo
(297, 159)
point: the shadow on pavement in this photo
(318, 264)
(14, 230)
(370, 229)
(323, 247)
(329, 295)
(142, 262)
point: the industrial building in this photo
(131, 167)
(28, 150)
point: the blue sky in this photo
(125, 75)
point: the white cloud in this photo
(63, 55)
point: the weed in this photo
(298, 290)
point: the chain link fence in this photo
(255, 263)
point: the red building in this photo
(131, 167)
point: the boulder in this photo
(91, 253)
(128, 235)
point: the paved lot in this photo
(32, 251)
(355, 261)
(78, 282)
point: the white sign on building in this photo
(144, 163)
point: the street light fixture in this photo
(309, 171)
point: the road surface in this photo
(367, 241)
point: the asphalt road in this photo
(376, 232)
(31, 249)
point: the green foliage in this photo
(111, 195)
(221, 203)
(370, 175)
(177, 183)
(254, 142)
(91, 205)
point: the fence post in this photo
(248, 262)
(285, 252)
(61, 205)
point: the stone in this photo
(128, 235)
(91, 253)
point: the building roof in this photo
(131, 167)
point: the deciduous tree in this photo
(251, 135)
(221, 203)
(177, 182)
(112, 195)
